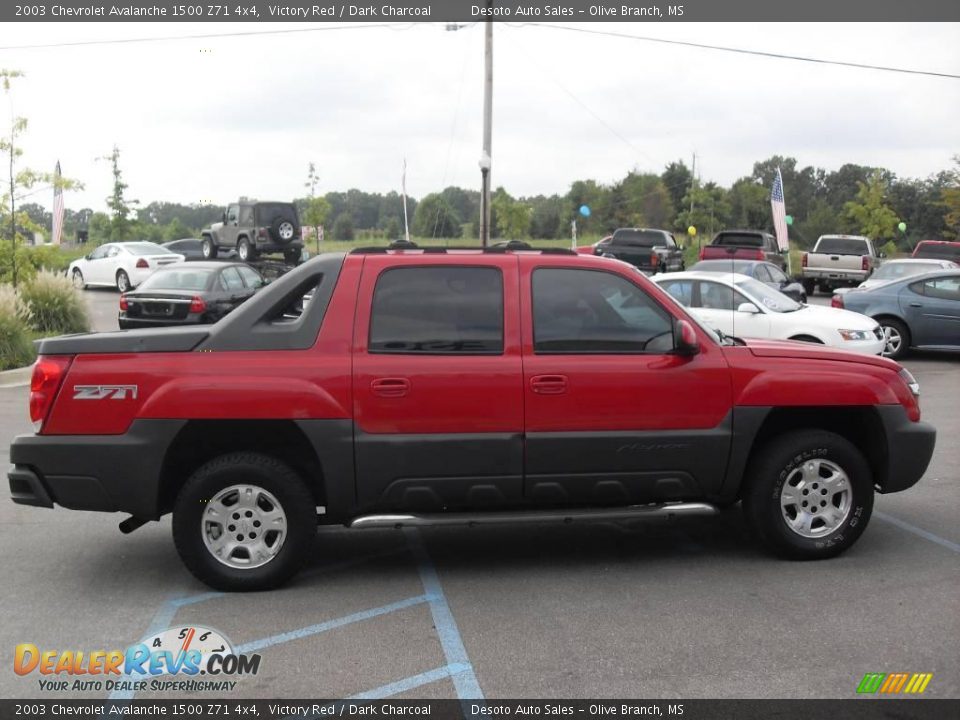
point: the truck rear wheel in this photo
(810, 287)
(244, 521)
(809, 495)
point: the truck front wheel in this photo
(208, 248)
(244, 521)
(809, 494)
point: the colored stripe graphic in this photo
(893, 683)
(871, 682)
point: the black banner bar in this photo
(853, 709)
(452, 11)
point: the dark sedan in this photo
(765, 272)
(188, 294)
(192, 249)
(920, 312)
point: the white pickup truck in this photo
(838, 260)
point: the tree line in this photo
(853, 199)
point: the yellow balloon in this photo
(692, 231)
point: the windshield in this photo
(640, 238)
(895, 270)
(182, 279)
(771, 299)
(842, 246)
(146, 248)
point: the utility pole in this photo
(485, 161)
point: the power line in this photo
(210, 36)
(744, 51)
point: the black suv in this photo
(252, 228)
(649, 250)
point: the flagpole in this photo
(403, 184)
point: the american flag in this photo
(57, 207)
(779, 212)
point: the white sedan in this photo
(743, 307)
(123, 265)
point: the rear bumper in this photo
(106, 473)
(127, 323)
(909, 449)
(845, 276)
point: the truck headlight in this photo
(855, 334)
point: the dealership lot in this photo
(600, 610)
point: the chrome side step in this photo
(566, 515)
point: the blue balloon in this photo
(585, 210)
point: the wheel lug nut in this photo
(231, 528)
(239, 537)
(236, 516)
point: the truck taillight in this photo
(837, 301)
(142, 264)
(865, 263)
(197, 305)
(803, 260)
(262, 233)
(654, 259)
(48, 374)
(758, 255)
(703, 251)
(123, 302)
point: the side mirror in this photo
(748, 308)
(685, 339)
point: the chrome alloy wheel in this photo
(892, 340)
(286, 230)
(816, 498)
(244, 526)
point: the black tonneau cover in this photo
(255, 325)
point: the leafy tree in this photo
(513, 216)
(317, 211)
(546, 219)
(435, 217)
(20, 181)
(821, 220)
(640, 200)
(950, 199)
(677, 180)
(343, 227)
(711, 211)
(869, 213)
(749, 204)
(99, 228)
(800, 187)
(120, 222)
(394, 229)
(175, 230)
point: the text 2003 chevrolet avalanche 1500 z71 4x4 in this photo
(434, 387)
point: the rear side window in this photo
(944, 288)
(438, 311)
(230, 279)
(590, 311)
(842, 246)
(739, 239)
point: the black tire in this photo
(77, 279)
(282, 230)
(893, 329)
(780, 463)
(264, 473)
(810, 287)
(246, 250)
(291, 256)
(123, 281)
(208, 248)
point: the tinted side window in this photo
(762, 274)
(590, 311)
(944, 288)
(438, 310)
(250, 277)
(714, 296)
(682, 290)
(230, 279)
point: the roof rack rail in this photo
(439, 250)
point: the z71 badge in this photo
(104, 392)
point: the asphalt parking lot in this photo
(602, 610)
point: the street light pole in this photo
(485, 161)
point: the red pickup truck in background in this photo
(744, 245)
(434, 386)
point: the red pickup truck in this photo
(744, 245)
(421, 387)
